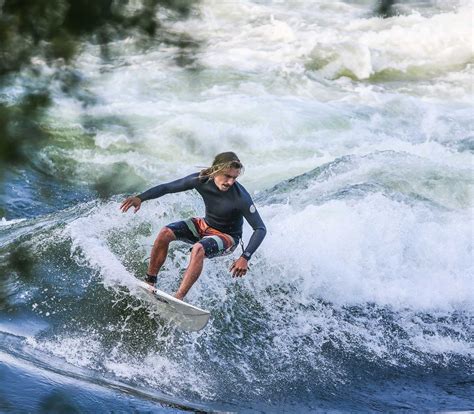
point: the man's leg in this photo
(192, 272)
(159, 250)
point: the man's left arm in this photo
(240, 266)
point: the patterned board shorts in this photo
(196, 230)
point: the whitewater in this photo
(356, 134)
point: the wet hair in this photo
(222, 162)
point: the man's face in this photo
(226, 179)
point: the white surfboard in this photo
(186, 316)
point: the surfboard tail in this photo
(184, 315)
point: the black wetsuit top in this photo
(224, 209)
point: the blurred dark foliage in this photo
(117, 178)
(16, 263)
(385, 8)
(53, 29)
(20, 127)
(53, 32)
(21, 261)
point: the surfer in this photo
(218, 233)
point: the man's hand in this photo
(131, 202)
(239, 267)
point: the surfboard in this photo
(184, 315)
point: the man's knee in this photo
(166, 235)
(198, 250)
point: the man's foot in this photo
(179, 296)
(150, 279)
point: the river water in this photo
(357, 137)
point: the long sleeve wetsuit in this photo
(224, 209)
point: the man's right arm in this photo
(183, 184)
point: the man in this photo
(219, 232)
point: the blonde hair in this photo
(222, 162)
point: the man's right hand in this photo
(131, 202)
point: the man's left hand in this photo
(239, 267)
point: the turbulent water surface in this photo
(357, 137)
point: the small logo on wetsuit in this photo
(252, 209)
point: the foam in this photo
(162, 120)
(154, 371)
(89, 246)
(76, 350)
(384, 45)
(374, 250)
(5, 222)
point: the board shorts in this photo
(196, 230)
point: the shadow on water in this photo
(58, 402)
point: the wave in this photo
(95, 390)
(384, 49)
(355, 277)
(400, 176)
